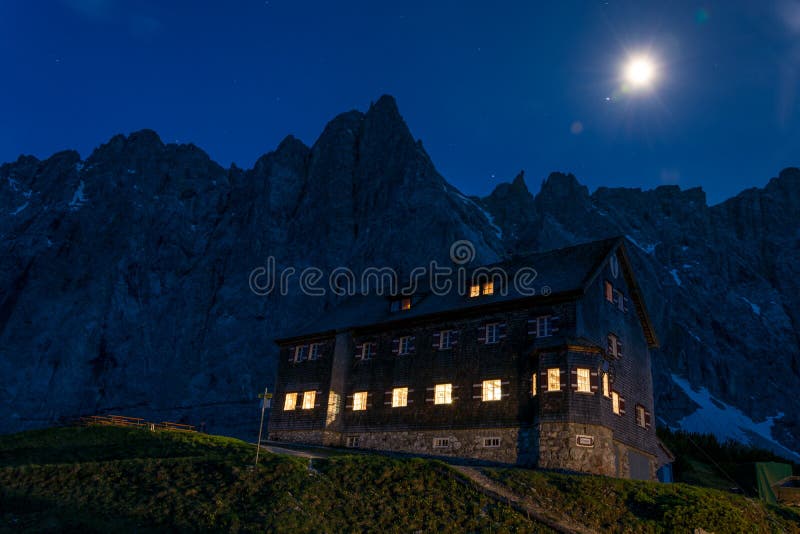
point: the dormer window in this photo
(300, 353)
(482, 288)
(400, 304)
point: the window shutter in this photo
(619, 348)
(610, 347)
(555, 320)
(594, 381)
(454, 337)
(621, 406)
(532, 327)
(543, 380)
(412, 343)
(395, 346)
(436, 337)
(501, 330)
(482, 334)
(574, 379)
(625, 304)
(647, 419)
(563, 379)
(359, 348)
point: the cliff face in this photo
(124, 276)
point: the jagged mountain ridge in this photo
(123, 278)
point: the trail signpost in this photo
(265, 403)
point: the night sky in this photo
(490, 88)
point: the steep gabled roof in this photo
(561, 273)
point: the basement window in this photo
(351, 441)
(399, 397)
(308, 399)
(491, 443)
(291, 402)
(554, 379)
(492, 390)
(443, 394)
(359, 401)
(441, 443)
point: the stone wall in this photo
(516, 446)
(559, 449)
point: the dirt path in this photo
(492, 489)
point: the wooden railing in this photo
(137, 422)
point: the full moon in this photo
(640, 71)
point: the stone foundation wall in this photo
(516, 446)
(559, 449)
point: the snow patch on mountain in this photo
(727, 422)
(78, 198)
(674, 273)
(755, 307)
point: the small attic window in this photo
(400, 304)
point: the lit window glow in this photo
(359, 401)
(308, 400)
(583, 381)
(290, 402)
(399, 397)
(492, 390)
(554, 379)
(443, 394)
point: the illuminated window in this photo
(313, 351)
(609, 291)
(399, 397)
(400, 304)
(474, 290)
(492, 332)
(308, 399)
(443, 394)
(583, 380)
(445, 339)
(300, 353)
(492, 390)
(554, 379)
(290, 402)
(533, 384)
(640, 416)
(615, 402)
(404, 346)
(606, 388)
(359, 401)
(368, 350)
(405, 304)
(487, 288)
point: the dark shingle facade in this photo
(572, 391)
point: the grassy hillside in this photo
(116, 479)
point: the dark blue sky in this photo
(489, 87)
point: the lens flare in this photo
(640, 72)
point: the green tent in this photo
(768, 474)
